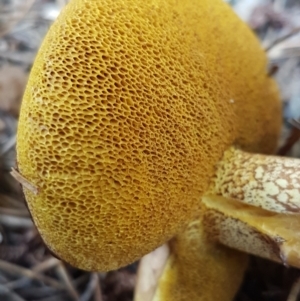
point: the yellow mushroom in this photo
(130, 107)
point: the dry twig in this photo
(283, 38)
(91, 287)
(64, 275)
(13, 268)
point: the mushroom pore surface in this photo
(129, 106)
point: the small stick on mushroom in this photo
(23, 181)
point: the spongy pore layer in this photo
(129, 105)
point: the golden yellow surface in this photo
(129, 105)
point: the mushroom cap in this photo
(129, 106)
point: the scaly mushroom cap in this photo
(129, 105)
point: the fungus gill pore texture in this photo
(129, 105)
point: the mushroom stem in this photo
(253, 230)
(253, 205)
(196, 269)
(268, 182)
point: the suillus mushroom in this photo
(130, 124)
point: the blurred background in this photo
(28, 272)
